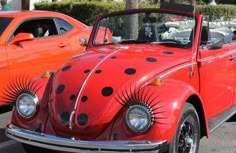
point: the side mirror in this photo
(22, 37)
(83, 41)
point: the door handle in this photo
(62, 44)
(231, 57)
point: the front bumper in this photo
(71, 145)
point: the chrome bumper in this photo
(70, 145)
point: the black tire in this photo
(187, 135)
(34, 149)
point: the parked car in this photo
(160, 85)
(34, 41)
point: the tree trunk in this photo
(132, 20)
(131, 4)
(25, 4)
(192, 2)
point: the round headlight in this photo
(26, 104)
(139, 118)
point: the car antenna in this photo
(191, 72)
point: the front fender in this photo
(170, 99)
(41, 87)
(175, 94)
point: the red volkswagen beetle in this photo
(158, 86)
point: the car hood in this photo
(92, 84)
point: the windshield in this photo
(146, 27)
(4, 22)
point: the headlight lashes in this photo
(147, 98)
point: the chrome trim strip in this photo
(71, 119)
(211, 58)
(80, 54)
(206, 59)
(176, 69)
(71, 145)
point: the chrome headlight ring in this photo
(26, 104)
(139, 118)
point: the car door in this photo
(73, 33)
(216, 70)
(4, 73)
(47, 51)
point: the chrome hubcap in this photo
(186, 138)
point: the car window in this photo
(4, 22)
(38, 27)
(64, 26)
(218, 29)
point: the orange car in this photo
(34, 41)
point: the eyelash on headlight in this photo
(19, 85)
(142, 96)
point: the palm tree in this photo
(25, 4)
(133, 19)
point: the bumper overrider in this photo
(71, 145)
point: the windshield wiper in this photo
(167, 41)
(172, 42)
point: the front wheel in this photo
(187, 135)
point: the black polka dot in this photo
(86, 71)
(84, 98)
(102, 56)
(130, 71)
(66, 68)
(98, 71)
(72, 97)
(64, 117)
(113, 57)
(115, 136)
(39, 128)
(168, 52)
(60, 89)
(82, 119)
(151, 59)
(107, 91)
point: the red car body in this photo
(34, 41)
(148, 94)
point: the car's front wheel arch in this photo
(196, 102)
(187, 135)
